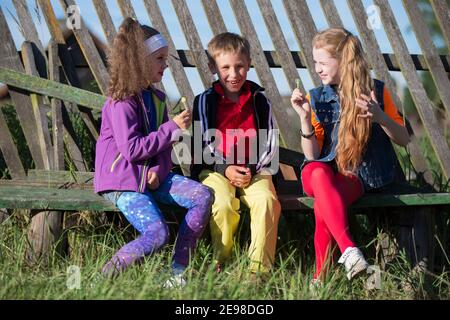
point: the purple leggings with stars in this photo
(142, 211)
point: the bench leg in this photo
(44, 233)
(413, 233)
(3, 215)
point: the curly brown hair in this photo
(127, 60)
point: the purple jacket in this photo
(124, 153)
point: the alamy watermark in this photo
(73, 21)
(249, 147)
(73, 277)
(374, 19)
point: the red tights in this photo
(332, 193)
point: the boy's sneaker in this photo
(354, 262)
(175, 281)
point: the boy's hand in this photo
(301, 105)
(184, 119)
(152, 180)
(239, 176)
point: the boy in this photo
(234, 110)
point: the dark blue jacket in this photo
(379, 165)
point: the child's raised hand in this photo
(369, 107)
(301, 104)
(183, 120)
(152, 180)
(239, 176)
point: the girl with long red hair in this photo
(347, 125)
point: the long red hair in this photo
(355, 80)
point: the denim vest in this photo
(379, 162)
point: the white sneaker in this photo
(176, 281)
(354, 262)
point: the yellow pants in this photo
(260, 197)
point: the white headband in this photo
(155, 43)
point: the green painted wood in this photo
(22, 197)
(16, 196)
(52, 89)
(292, 202)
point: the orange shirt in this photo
(389, 108)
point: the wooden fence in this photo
(45, 79)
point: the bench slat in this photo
(26, 197)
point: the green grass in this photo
(92, 245)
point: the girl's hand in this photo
(239, 176)
(152, 180)
(370, 108)
(301, 105)
(184, 119)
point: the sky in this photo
(90, 18)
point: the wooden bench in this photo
(51, 192)
(73, 191)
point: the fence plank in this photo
(10, 59)
(126, 8)
(280, 44)
(442, 13)
(175, 65)
(105, 20)
(380, 67)
(66, 61)
(423, 104)
(214, 17)
(9, 150)
(50, 88)
(89, 50)
(429, 51)
(26, 22)
(331, 13)
(39, 112)
(194, 41)
(57, 126)
(289, 131)
(304, 29)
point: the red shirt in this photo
(236, 115)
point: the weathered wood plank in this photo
(442, 12)
(51, 88)
(194, 41)
(290, 130)
(290, 202)
(54, 176)
(57, 123)
(429, 51)
(23, 197)
(105, 20)
(423, 104)
(380, 67)
(214, 17)
(304, 29)
(331, 13)
(71, 142)
(26, 22)
(175, 65)
(126, 8)
(52, 21)
(89, 50)
(280, 44)
(38, 109)
(9, 150)
(10, 59)
(66, 61)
